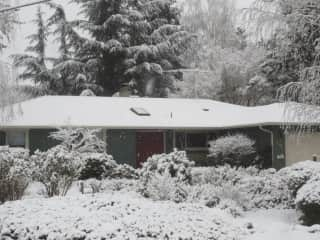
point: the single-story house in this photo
(135, 128)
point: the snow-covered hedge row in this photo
(15, 173)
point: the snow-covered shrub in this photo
(56, 169)
(308, 201)
(222, 174)
(124, 171)
(97, 165)
(175, 165)
(235, 150)
(164, 187)
(15, 173)
(261, 188)
(266, 191)
(80, 139)
(298, 174)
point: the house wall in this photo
(302, 147)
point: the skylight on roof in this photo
(140, 111)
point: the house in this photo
(135, 128)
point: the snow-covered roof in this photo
(121, 113)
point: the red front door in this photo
(148, 144)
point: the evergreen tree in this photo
(72, 75)
(7, 22)
(34, 63)
(134, 42)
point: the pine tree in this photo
(34, 63)
(135, 43)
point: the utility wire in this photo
(15, 8)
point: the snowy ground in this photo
(123, 215)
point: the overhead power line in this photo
(15, 8)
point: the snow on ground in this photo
(126, 215)
(280, 225)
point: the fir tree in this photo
(135, 43)
(72, 74)
(34, 63)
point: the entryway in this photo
(148, 144)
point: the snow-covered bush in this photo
(80, 139)
(308, 201)
(262, 188)
(164, 187)
(298, 174)
(56, 169)
(235, 150)
(175, 164)
(96, 165)
(222, 174)
(162, 176)
(266, 191)
(124, 171)
(102, 165)
(15, 173)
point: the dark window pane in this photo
(197, 140)
(180, 140)
(16, 139)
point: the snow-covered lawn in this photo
(126, 215)
(280, 225)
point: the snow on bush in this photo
(227, 198)
(164, 187)
(114, 216)
(308, 201)
(236, 150)
(15, 173)
(80, 139)
(96, 165)
(266, 191)
(261, 188)
(298, 174)
(175, 165)
(56, 169)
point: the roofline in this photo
(268, 124)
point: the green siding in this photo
(121, 144)
(39, 139)
(2, 138)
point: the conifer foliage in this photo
(34, 63)
(135, 43)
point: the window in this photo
(191, 141)
(16, 139)
(197, 140)
(140, 111)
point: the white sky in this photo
(26, 15)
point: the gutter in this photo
(272, 141)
